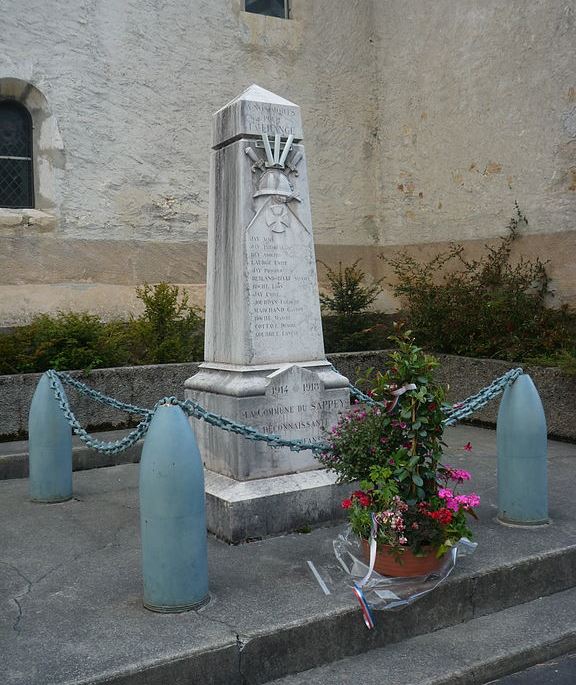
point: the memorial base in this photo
(297, 401)
(238, 511)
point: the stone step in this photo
(471, 653)
(72, 570)
(14, 455)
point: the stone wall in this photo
(421, 127)
(132, 87)
(144, 385)
(477, 109)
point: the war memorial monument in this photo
(264, 353)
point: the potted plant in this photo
(407, 497)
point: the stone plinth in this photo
(265, 365)
(300, 402)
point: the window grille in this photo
(273, 8)
(16, 173)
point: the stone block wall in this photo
(145, 385)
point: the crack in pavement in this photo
(241, 640)
(16, 599)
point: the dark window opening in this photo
(273, 8)
(16, 172)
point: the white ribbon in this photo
(400, 391)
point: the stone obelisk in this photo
(264, 354)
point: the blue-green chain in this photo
(454, 414)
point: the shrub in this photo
(489, 307)
(169, 329)
(348, 295)
(65, 341)
(357, 332)
(347, 325)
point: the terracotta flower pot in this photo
(406, 565)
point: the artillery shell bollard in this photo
(49, 447)
(172, 515)
(521, 438)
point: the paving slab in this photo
(70, 586)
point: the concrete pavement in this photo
(70, 588)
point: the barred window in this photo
(273, 8)
(16, 172)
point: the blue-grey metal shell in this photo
(521, 437)
(49, 447)
(172, 515)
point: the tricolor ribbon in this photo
(357, 589)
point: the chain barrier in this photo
(100, 397)
(105, 447)
(454, 414)
(463, 409)
(474, 403)
(190, 407)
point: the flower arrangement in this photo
(394, 449)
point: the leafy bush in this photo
(169, 330)
(65, 341)
(357, 332)
(347, 326)
(349, 295)
(486, 307)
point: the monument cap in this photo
(254, 112)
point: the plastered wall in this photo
(423, 122)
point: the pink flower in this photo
(471, 500)
(402, 540)
(399, 504)
(445, 493)
(452, 504)
(457, 474)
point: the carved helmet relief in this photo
(275, 189)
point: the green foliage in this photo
(169, 329)
(356, 332)
(394, 450)
(565, 360)
(346, 324)
(486, 307)
(349, 295)
(64, 341)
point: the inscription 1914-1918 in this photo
(297, 407)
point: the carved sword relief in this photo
(275, 189)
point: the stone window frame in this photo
(287, 10)
(47, 154)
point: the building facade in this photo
(424, 122)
